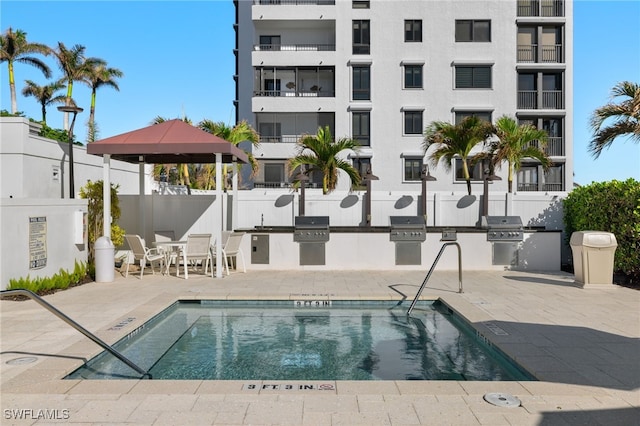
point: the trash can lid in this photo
(593, 239)
(103, 242)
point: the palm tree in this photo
(96, 77)
(44, 94)
(515, 143)
(320, 153)
(455, 140)
(75, 67)
(14, 47)
(241, 132)
(625, 116)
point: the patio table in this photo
(168, 247)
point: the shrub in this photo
(60, 281)
(610, 207)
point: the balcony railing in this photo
(527, 186)
(294, 2)
(551, 99)
(554, 148)
(550, 53)
(552, 187)
(296, 93)
(282, 185)
(279, 139)
(308, 47)
(543, 8)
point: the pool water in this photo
(218, 340)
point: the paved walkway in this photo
(582, 344)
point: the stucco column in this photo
(106, 195)
(234, 183)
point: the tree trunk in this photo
(12, 87)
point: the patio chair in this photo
(198, 250)
(143, 254)
(231, 250)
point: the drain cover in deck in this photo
(22, 360)
(502, 400)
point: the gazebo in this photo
(172, 141)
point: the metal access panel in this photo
(260, 249)
(312, 254)
(505, 254)
(408, 253)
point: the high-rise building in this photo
(380, 71)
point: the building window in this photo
(412, 169)
(413, 76)
(473, 77)
(413, 30)
(360, 4)
(270, 42)
(362, 165)
(273, 175)
(413, 123)
(476, 172)
(482, 115)
(473, 30)
(553, 178)
(527, 178)
(361, 83)
(270, 132)
(361, 37)
(361, 127)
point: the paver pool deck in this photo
(582, 344)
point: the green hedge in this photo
(610, 207)
(44, 285)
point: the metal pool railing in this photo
(424, 283)
(72, 323)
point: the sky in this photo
(177, 59)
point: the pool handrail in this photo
(72, 323)
(424, 283)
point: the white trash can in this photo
(593, 253)
(105, 260)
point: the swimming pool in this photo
(288, 340)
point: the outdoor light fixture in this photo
(302, 178)
(75, 110)
(425, 176)
(485, 195)
(367, 178)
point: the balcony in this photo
(554, 148)
(541, 8)
(311, 93)
(295, 47)
(530, 53)
(550, 99)
(294, 2)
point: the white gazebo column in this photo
(234, 207)
(142, 219)
(106, 195)
(218, 221)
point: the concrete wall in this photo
(59, 249)
(35, 167)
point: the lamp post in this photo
(425, 176)
(485, 195)
(75, 110)
(367, 178)
(302, 178)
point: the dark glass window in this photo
(413, 30)
(361, 83)
(361, 38)
(473, 30)
(361, 127)
(482, 115)
(413, 76)
(360, 4)
(412, 168)
(475, 172)
(413, 122)
(473, 77)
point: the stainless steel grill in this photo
(311, 229)
(408, 233)
(503, 228)
(408, 228)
